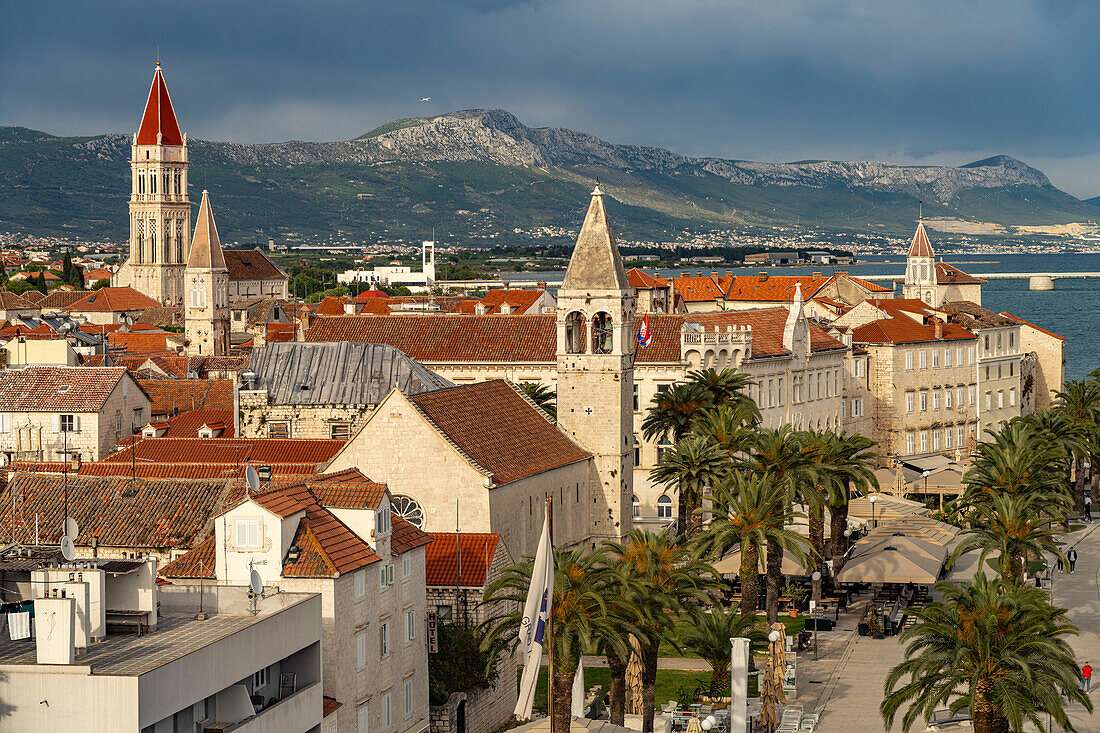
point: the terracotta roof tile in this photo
(57, 389)
(404, 536)
(141, 342)
(230, 451)
(281, 472)
(1032, 325)
(643, 280)
(154, 513)
(498, 429)
(115, 300)
(696, 289)
(346, 494)
(251, 264)
(476, 553)
(520, 301)
(278, 333)
(11, 301)
(284, 502)
(343, 549)
(196, 563)
(950, 275)
(177, 395)
(902, 330)
(187, 424)
(331, 306)
(329, 706)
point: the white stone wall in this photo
(257, 288)
(1050, 376)
(301, 421)
(999, 376)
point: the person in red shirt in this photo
(1086, 677)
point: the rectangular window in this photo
(406, 566)
(924, 441)
(1012, 397)
(771, 392)
(278, 429)
(1000, 398)
(68, 423)
(946, 357)
(857, 407)
(936, 400)
(947, 438)
(360, 583)
(935, 358)
(408, 697)
(386, 721)
(923, 359)
(989, 400)
(1011, 368)
(382, 523)
(909, 444)
(959, 356)
(947, 399)
(924, 401)
(780, 385)
(635, 397)
(1011, 340)
(959, 436)
(987, 373)
(340, 431)
(959, 398)
(999, 372)
(972, 394)
(909, 401)
(247, 532)
(384, 639)
(935, 440)
(361, 649)
(361, 718)
(986, 343)
(260, 679)
(970, 356)
(1000, 343)
(908, 361)
(410, 625)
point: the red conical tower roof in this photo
(920, 247)
(159, 116)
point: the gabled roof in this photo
(643, 280)
(228, 451)
(331, 306)
(187, 424)
(59, 298)
(57, 388)
(920, 246)
(519, 300)
(206, 247)
(902, 330)
(328, 547)
(595, 263)
(476, 552)
(283, 502)
(197, 563)
(11, 301)
(144, 342)
(298, 373)
(1032, 325)
(342, 494)
(498, 429)
(159, 118)
(151, 513)
(404, 536)
(950, 275)
(283, 472)
(698, 289)
(114, 300)
(251, 264)
(177, 395)
(971, 315)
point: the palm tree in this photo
(663, 579)
(1014, 527)
(990, 646)
(579, 617)
(541, 395)
(622, 624)
(729, 426)
(1018, 459)
(726, 387)
(709, 636)
(852, 461)
(750, 512)
(1080, 402)
(693, 465)
(673, 411)
(781, 456)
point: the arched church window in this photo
(153, 240)
(637, 510)
(179, 240)
(140, 240)
(664, 507)
(408, 509)
(574, 333)
(603, 335)
(152, 183)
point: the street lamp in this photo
(773, 637)
(816, 577)
(874, 500)
(925, 474)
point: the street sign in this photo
(433, 633)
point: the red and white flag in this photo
(644, 334)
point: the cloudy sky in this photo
(921, 81)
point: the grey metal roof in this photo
(337, 373)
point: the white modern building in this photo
(397, 274)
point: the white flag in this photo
(536, 611)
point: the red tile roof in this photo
(159, 117)
(231, 451)
(342, 493)
(950, 275)
(282, 472)
(60, 298)
(57, 389)
(696, 289)
(177, 395)
(644, 281)
(152, 513)
(142, 342)
(520, 301)
(251, 264)
(281, 332)
(920, 247)
(187, 424)
(197, 563)
(115, 300)
(404, 536)
(498, 429)
(1037, 328)
(902, 330)
(329, 706)
(475, 551)
(283, 502)
(328, 547)
(331, 306)
(11, 301)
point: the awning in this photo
(890, 564)
(730, 564)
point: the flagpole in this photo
(550, 616)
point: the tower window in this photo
(603, 336)
(574, 333)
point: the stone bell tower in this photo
(206, 279)
(920, 269)
(595, 351)
(160, 212)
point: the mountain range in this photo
(482, 174)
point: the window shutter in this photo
(57, 423)
(76, 423)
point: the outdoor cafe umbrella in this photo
(890, 565)
(772, 693)
(905, 543)
(730, 563)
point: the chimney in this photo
(540, 285)
(714, 275)
(685, 274)
(815, 275)
(937, 328)
(839, 273)
(763, 276)
(729, 273)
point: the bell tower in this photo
(595, 352)
(206, 310)
(160, 212)
(920, 269)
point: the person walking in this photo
(1072, 557)
(1086, 677)
(1059, 565)
(1088, 507)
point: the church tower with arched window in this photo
(160, 212)
(920, 269)
(206, 289)
(595, 351)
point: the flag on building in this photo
(644, 334)
(536, 611)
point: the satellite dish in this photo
(68, 550)
(129, 321)
(255, 582)
(72, 529)
(252, 478)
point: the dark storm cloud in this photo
(780, 80)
